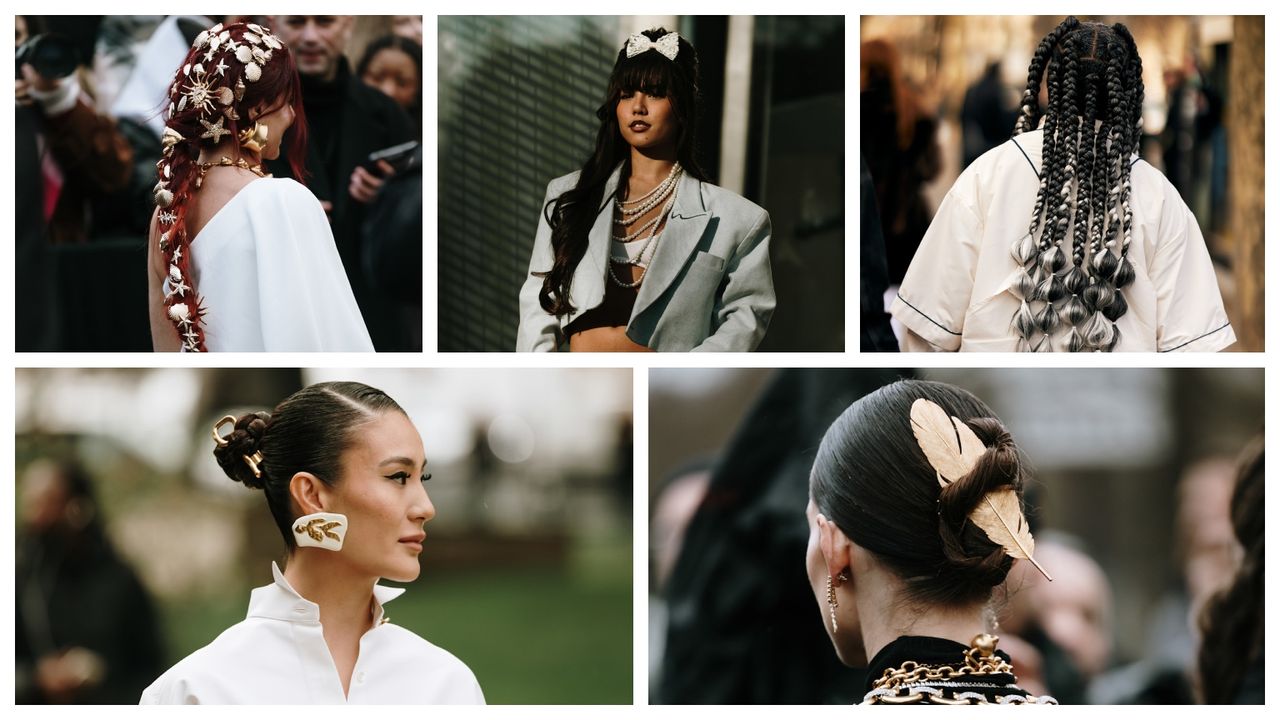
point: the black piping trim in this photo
(1224, 327)
(1033, 165)
(926, 317)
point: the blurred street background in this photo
(527, 572)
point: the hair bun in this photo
(972, 557)
(245, 440)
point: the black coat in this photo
(77, 592)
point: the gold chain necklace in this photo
(241, 163)
(979, 659)
(900, 685)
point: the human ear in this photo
(836, 549)
(309, 493)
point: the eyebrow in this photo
(401, 461)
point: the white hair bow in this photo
(668, 45)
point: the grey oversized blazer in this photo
(708, 287)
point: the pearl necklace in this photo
(649, 200)
(649, 243)
(641, 230)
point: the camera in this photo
(52, 55)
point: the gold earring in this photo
(832, 604)
(253, 138)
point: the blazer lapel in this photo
(676, 243)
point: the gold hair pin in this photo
(953, 449)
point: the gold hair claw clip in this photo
(252, 461)
(221, 440)
(218, 438)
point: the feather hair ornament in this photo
(953, 449)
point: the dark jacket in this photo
(95, 159)
(77, 592)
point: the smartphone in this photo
(402, 157)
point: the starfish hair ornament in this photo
(204, 103)
(213, 131)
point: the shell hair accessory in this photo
(668, 45)
(953, 449)
(254, 460)
(204, 104)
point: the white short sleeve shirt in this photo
(956, 294)
(277, 655)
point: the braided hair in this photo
(1075, 254)
(229, 73)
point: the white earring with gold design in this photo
(320, 530)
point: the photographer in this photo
(82, 153)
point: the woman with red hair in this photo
(239, 260)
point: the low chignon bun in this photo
(245, 440)
(975, 559)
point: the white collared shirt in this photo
(957, 293)
(277, 655)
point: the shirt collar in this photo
(279, 601)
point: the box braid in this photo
(1092, 127)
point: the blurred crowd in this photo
(89, 93)
(87, 629)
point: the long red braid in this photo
(229, 71)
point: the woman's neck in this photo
(345, 597)
(651, 166)
(885, 616)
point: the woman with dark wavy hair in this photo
(1063, 239)
(344, 475)
(238, 260)
(637, 251)
(915, 517)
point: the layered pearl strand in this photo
(662, 196)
